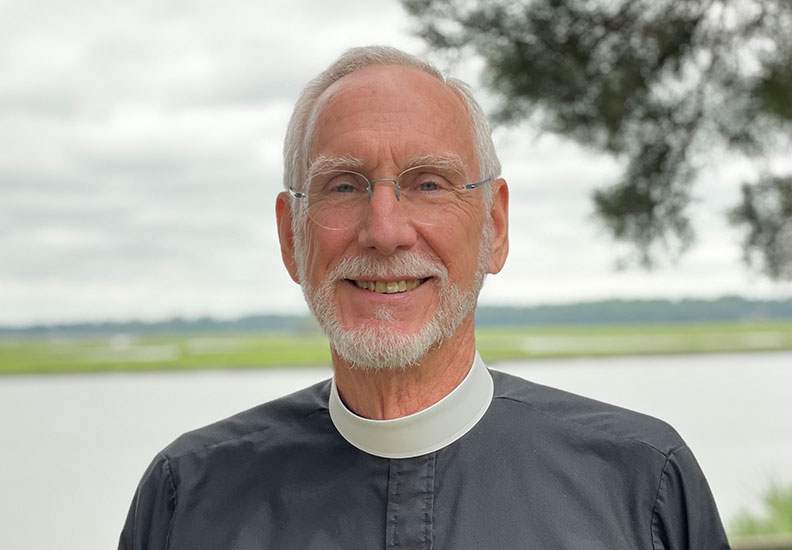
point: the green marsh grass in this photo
(178, 352)
(608, 340)
(774, 519)
(124, 352)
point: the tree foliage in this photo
(766, 210)
(653, 82)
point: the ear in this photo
(499, 214)
(283, 214)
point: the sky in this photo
(140, 157)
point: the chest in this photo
(456, 501)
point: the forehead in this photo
(388, 114)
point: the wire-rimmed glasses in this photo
(338, 199)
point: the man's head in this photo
(378, 112)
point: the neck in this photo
(382, 394)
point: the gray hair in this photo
(297, 138)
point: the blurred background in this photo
(647, 150)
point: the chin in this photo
(377, 346)
(380, 343)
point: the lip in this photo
(357, 307)
(384, 295)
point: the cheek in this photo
(322, 249)
(457, 245)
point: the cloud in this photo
(140, 155)
(140, 150)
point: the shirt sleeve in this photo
(685, 516)
(148, 522)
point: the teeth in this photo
(388, 287)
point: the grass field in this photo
(127, 352)
(775, 518)
(515, 343)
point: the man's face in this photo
(385, 117)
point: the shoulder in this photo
(211, 462)
(565, 412)
(286, 412)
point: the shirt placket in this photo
(410, 503)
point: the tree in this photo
(655, 82)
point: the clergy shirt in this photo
(530, 468)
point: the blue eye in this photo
(344, 183)
(344, 188)
(429, 185)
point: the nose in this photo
(385, 225)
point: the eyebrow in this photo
(447, 161)
(323, 164)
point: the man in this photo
(393, 215)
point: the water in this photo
(74, 447)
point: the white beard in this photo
(376, 345)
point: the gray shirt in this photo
(541, 469)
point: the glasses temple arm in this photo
(477, 184)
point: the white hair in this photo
(297, 138)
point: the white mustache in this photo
(403, 266)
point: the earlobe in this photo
(499, 215)
(283, 215)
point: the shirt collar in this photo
(423, 432)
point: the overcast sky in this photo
(140, 154)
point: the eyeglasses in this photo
(337, 199)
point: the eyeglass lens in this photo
(339, 199)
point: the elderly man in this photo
(393, 215)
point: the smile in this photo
(389, 287)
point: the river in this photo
(74, 446)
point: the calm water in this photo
(74, 447)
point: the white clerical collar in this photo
(425, 431)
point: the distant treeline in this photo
(729, 308)
(205, 325)
(607, 312)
